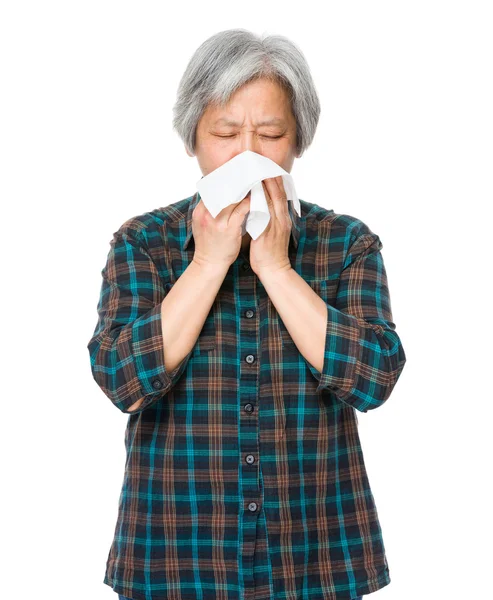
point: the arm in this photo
(144, 335)
(351, 348)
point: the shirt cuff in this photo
(341, 354)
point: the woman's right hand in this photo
(218, 240)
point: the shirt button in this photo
(249, 313)
(157, 384)
(252, 507)
(248, 407)
(250, 459)
(245, 266)
(250, 358)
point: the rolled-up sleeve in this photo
(126, 349)
(363, 355)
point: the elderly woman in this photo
(242, 363)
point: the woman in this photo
(241, 363)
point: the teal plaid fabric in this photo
(244, 475)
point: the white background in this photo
(405, 143)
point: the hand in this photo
(218, 240)
(269, 252)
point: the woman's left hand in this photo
(269, 252)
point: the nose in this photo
(249, 141)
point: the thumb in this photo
(242, 208)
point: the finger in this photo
(200, 207)
(277, 201)
(226, 212)
(235, 212)
(267, 185)
(280, 185)
(242, 208)
(276, 188)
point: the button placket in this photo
(248, 422)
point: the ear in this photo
(188, 152)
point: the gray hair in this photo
(229, 59)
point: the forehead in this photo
(264, 102)
(263, 121)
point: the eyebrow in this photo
(272, 121)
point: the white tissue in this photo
(231, 182)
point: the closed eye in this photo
(268, 137)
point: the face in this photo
(258, 117)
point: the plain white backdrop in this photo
(404, 142)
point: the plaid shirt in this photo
(244, 475)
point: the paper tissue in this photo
(231, 182)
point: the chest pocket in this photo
(321, 288)
(206, 342)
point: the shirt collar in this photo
(295, 220)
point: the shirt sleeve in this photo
(363, 356)
(126, 349)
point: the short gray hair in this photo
(231, 58)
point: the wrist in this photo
(212, 269)
(273, 271)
